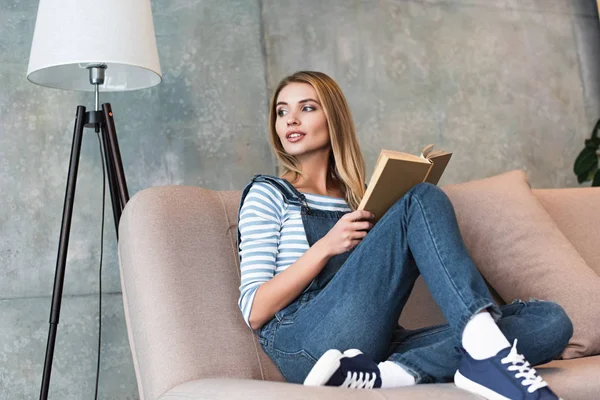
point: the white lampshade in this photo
(71, 34)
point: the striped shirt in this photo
(272, 236)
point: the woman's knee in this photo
(432, 195)
(428, 192)
(554, 318)
(560, 321)
(543, 329)
(425, 188)
(425, 193)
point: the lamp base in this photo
(100, 120)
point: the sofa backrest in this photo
(180, 280)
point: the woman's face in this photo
(301, 124)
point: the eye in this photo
(308, 108)
(281, 112)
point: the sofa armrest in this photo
(179, 278)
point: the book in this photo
(396, 173)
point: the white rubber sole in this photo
(324, 368)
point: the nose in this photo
(292, 120)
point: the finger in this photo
(364, 215)
(358, 235)
(351, 216)
(361, 225)
(358, 215)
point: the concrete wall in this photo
(504, 84)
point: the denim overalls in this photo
(357, 298)
(316, 225)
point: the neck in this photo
(316, 179)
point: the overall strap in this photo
(290, 194)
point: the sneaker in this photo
(351, 369)
(506, 376)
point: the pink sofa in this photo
(180, 278)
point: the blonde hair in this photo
(346, 163)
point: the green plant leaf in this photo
(582, 178)
(592, 143)
(596, 129)
(596, 181)
(586, 161)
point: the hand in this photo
(348, 232)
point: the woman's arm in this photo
(262, 292)
(260, 223)
(282, 289)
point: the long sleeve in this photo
(260, 223)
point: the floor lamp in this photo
(91, 45)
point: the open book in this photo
(396, 173)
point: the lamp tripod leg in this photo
(62, 248)
(118, 188)
(112, 184)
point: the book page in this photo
(425, 153)
(398, 155)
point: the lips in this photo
(294, 136)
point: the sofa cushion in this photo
(521, 252)
(573, 379)
(577, 213)
(239, 389)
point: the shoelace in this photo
(359, 380)
(524, 369)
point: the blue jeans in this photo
(357, 303)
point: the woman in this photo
(324, 288)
